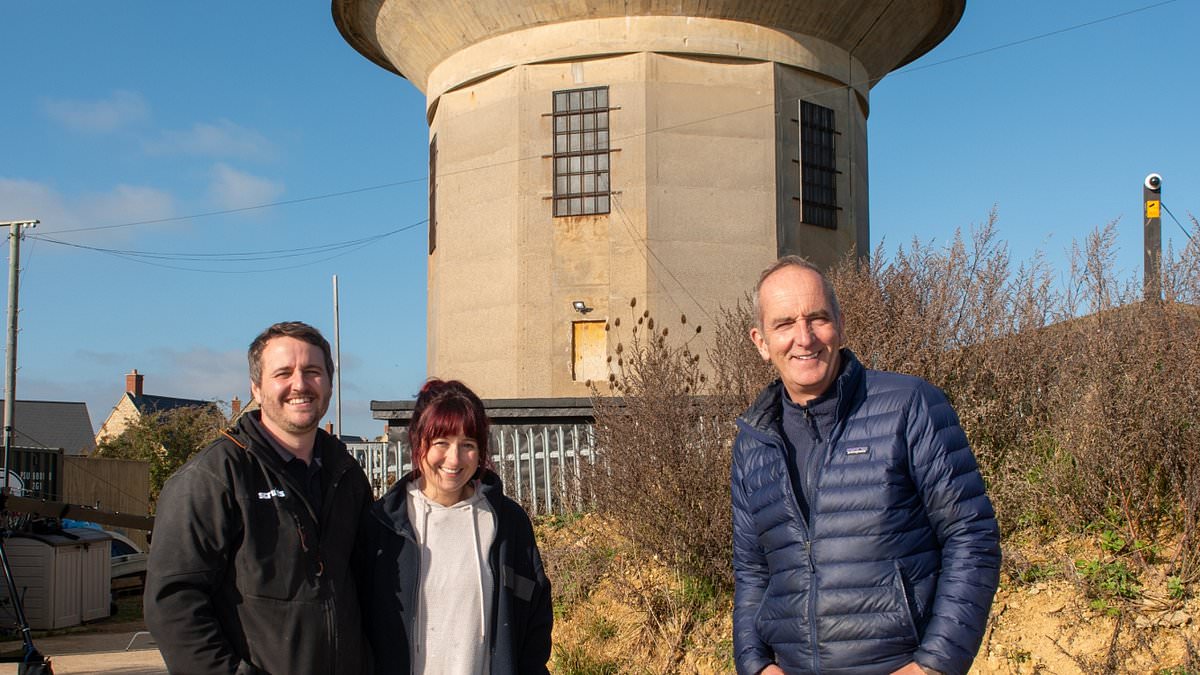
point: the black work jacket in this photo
(244, 577)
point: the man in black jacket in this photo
(251, 570)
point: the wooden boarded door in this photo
(590, 349)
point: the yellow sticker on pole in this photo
(1152, 208)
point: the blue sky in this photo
(120, 113)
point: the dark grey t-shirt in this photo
(806, 430)
(309, 476)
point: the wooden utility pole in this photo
(10, 364)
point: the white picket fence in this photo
(541, 464)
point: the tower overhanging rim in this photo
(471, 22)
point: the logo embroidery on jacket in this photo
(860, 450)
(272, 493)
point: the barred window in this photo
(818, 165)
(581, 183)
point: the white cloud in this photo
(117, 359)
(222, 139)
(233, 189)
(122, 108)
(126, 203)
(24, 199)
(122, 204)
(199, 373)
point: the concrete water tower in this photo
(586, 152)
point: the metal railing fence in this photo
(541, 464)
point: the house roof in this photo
(148, 403)
(53, 424)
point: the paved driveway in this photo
(97, 653)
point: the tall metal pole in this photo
(10, 364)
(337, 356)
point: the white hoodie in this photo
(455, 593)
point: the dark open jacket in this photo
(522, 616)
(241, 578)
(900, 556)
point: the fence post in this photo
(517, 461)
(533, 484)
(549, 501)
(561, 450)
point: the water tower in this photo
(586, 152)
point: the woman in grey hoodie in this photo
(454, 583)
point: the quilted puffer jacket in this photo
(900, 556)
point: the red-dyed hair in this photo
(448, 409)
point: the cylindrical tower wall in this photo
(701, 159)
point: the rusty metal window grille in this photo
(818, 165)
(581, 152)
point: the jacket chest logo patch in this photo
(859, 450)
(272, 493)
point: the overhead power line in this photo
(1032, 38)
(868, 82)
(207, 214)
(336, 249)
(1181, 227)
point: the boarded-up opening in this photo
(590, 349)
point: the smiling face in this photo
(293, 390)
(799, 331)
(449, 464)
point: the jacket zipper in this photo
(806, 531)
(328, 605)
(809, 479)
(331, 610)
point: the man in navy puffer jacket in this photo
(863, 540)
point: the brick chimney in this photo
(133, 383)
(235, 406)
(329, 428)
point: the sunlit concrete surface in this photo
(96, 653)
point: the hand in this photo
(911, 669)
(772, 670)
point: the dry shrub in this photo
(1127, 405)
(961, 317)
(665, 434)
(1080, 400)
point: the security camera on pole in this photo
(1152, 237)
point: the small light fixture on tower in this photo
(581, 306)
